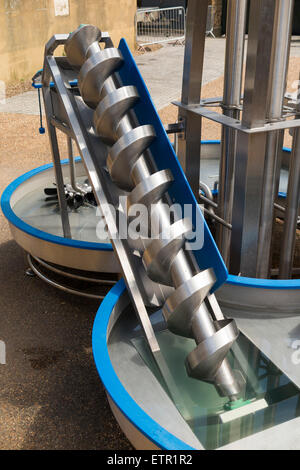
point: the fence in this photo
(159, 25)
(210, 21)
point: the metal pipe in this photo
(281, 52)
(283, 209)
(56, 270)
(59, 178)
(72, 167)
(56, 158)
(60, 286)
(251, 148)
(280, 59)
(182, 269)
(292, 209)
(217, 218)
(234, 59)
(189, 141)
(208, 201)
(222, 221)
(209, 195)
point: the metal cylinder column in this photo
(235, 41)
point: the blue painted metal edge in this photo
(130, 409)
(21, 225)
(163, 153)
(263, 283)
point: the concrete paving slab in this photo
(25, 103)
(162, 69)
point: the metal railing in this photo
(210, 22)
(159, 25)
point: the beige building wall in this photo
(26, 25)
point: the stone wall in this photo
(26, 25)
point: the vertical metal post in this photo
(71, 162)
(278, 79)
(234, 58)
(59, 182)
(189, 143)
(56, 157)
(251, 148)
(72, 166)
(292, 209)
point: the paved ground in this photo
(26, 103)
(295, 47)
(162, 71)
(50, 393)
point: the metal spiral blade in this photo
(151, 189)
(79, 42)
(125, 153)
(180, 306)
(205, 360)
(111, 109)
(161, 252)
(165, 257)
(95, 71)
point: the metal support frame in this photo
(234, 59)
(72, 166)
(292, 209)
(254, 182)
(280, 60)
(162, 272)
(189, 147)
(88, 146)
(59, 178)
(247, 193)
(50, 47)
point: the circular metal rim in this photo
(272, 284)
(56, 284)
(114, 387)
(66, 274)
(36, 233)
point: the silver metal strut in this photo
(292, 209)
(254, 119)
(172, 277)
(234, 59)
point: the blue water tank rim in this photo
(241, 281)
(34, 232)
(155, 433)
